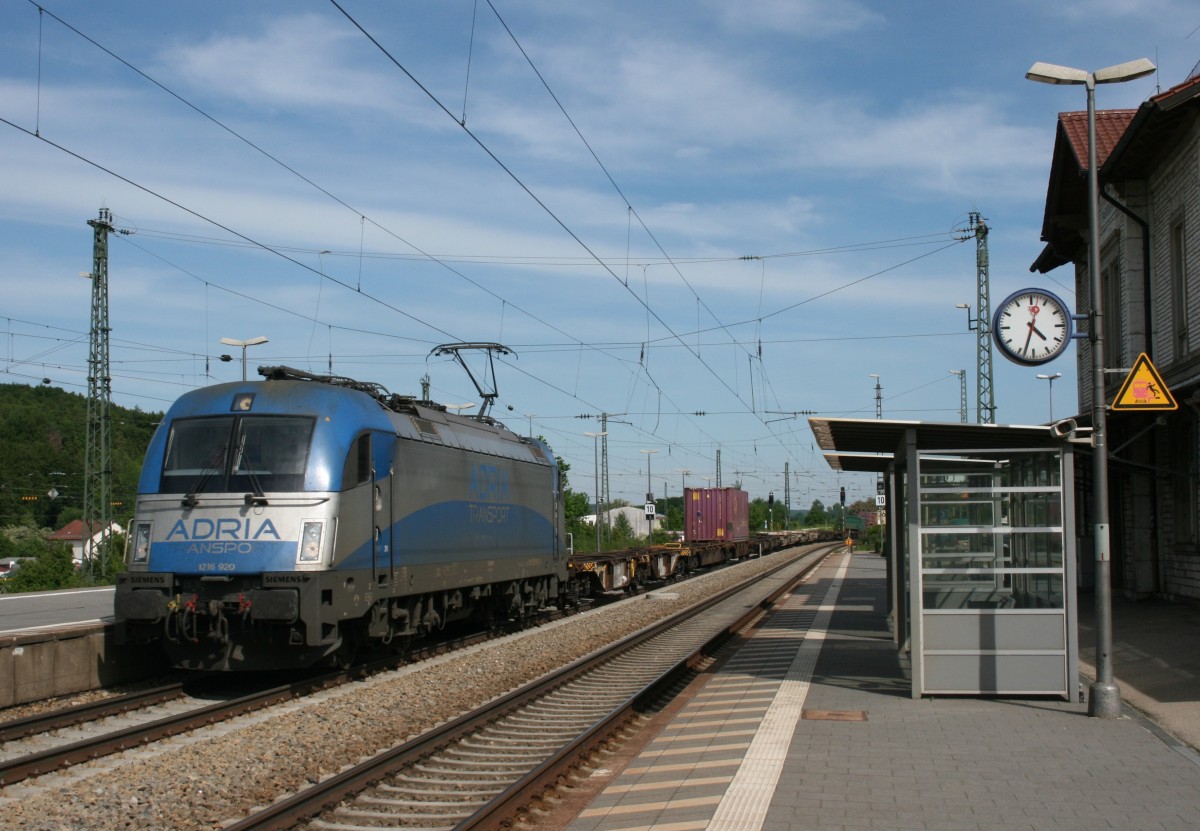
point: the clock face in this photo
(1032, 327)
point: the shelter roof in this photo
(870, 444)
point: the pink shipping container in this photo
(716, 515)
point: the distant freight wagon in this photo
(716, 515)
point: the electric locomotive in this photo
(287, 522)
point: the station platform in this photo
(809, 723)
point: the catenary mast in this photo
(986, 406)
(97, 475)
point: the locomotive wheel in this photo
(347, 651)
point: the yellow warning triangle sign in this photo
(1144, 389)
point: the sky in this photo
(705, 219)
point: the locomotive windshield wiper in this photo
(257, 497)
(189, 499)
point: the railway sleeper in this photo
(360, 813)
(519, 760)
(482, 763)
(513, 745)
(438, 770)
(422, 784)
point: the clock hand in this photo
(1037, 331)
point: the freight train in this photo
(292, 521)
(638, 568)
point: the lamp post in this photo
(962, 393)
(683, 472)
(1050, 378)
(243, 344)
(649, 498)
(1104, 696)
(596, 467)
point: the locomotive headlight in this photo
(139, 550)
(310, 542)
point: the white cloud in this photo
(805, 18)
(302, 62)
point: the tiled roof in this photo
(1110, 126)
(1179, 92)
(71, 531)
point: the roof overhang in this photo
(870, 445)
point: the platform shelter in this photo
(981, 547)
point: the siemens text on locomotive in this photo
(284, 522)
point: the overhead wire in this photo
(278, 251)
(275, 159)
(522, 185)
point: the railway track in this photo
(104, 742)
(91, 711)
(169, 710)
(480, 770)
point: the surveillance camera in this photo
(1064, 429)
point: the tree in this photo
(817, 516)
(51, 568)
(575, 507)
(862, 506)
(43, 437)
(623, 534)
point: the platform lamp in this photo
(243, 344)
(596, 467)
(1104, 698)
(1044, 377)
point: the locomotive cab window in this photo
(358, 463)
(228, 454)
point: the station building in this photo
(1149, 225)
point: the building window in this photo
(1114, 308)
(1183, 479)
(1180, 293)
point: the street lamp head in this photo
(1049, 377)
(962, 305)
(1049, 73)
(957, 371)
(1128, 71)
(255, 341)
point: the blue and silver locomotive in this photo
(287, 522)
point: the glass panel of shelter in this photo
(991, 530)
